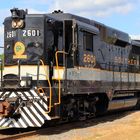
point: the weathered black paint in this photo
(114, 51)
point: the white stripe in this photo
(58, 73)
(22, 123)
(44, 104)
(11, 126)
(27, 120)
(12, 95)
(31, 70)
(1, 93)
(22, 96)
(15, 123)
(42, 111)
(6, 123)
(2, 121)
(6, 93)
(100, 75)
(45, 97)
(34, 93)
(32, 117)
(37, 114)
(27, 94)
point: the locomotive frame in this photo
(65, 67)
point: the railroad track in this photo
(13, 134)
(18, 136)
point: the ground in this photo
(124, 126)
(120, 127)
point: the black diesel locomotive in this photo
(65, 67)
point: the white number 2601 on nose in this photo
(28, 33)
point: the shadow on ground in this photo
(48, 129)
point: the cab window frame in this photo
(88, 41)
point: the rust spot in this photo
(1, 108)
(4, 108)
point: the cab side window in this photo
(88, 41)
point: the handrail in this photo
(59, 83)
(50, 87)
(38, 65)
(19, 68)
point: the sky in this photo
(120, 14)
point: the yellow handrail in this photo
(59, 83)
(50, 87)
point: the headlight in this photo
(14, 24)
(20, 23)
(17, 23)
(26, 81)
(23, 83)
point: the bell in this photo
(15, 13)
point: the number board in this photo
(30, 33)
(24, 33)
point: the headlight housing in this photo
(26, 81)
(17, 23)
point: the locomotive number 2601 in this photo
(89, 59)
(28, 33)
